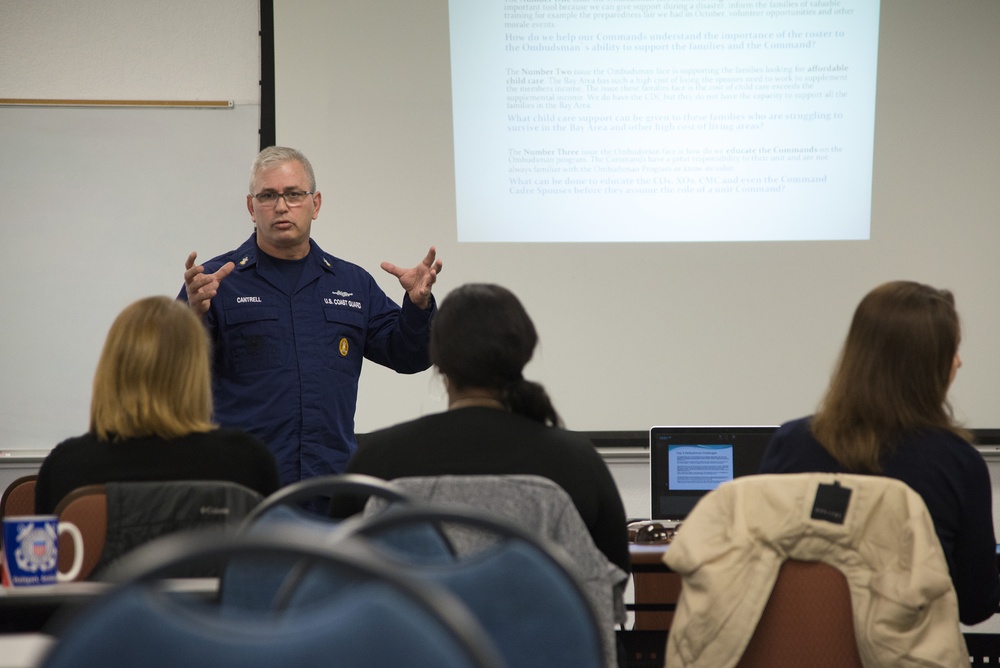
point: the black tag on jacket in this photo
(831, 503)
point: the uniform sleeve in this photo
(210, 322)
(398, 337)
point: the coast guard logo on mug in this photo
(36, 549)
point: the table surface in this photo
(648, 556)
(31, 609)
(23, 650)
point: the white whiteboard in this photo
(101, 207)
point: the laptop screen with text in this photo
(685, 463)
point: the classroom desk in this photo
(30, 617)
(23, 650)
(29, 609)
(655, 590)
(32, 609)
(656, 587)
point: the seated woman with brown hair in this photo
(150, 413)
(886, 412)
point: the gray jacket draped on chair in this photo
(141, 511)
(541, 506)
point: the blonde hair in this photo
(893, 375)
(153, 377)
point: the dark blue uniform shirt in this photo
(287, 359)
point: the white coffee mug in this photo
(31, 550)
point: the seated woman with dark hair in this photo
(150, 413)
(497, 422)
(886, 412)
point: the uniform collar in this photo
(248, 254)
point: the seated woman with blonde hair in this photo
(150, 413)
(886, 412)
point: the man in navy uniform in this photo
(291, 323)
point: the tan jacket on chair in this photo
(732, 545)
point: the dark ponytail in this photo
(531, 400)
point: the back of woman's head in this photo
(893, 374)
(153, 376)
(482, 338)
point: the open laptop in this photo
(685, 463)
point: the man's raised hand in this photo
(418, 281)
(201, 287)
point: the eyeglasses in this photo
(293, 198)
(647, 531)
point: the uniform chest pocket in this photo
(345, 339)
(253, 338)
